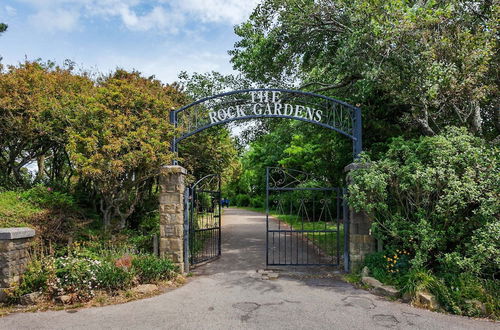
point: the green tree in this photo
(121, 138)
(212, 150)
(423, 64)
(37, 101)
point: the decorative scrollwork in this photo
(286, 178)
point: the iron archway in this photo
(269, 103)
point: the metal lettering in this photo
(318, 115)
(298, 110)
(255, 109)
(221, 114)
(212, 116)
(310, 113)
(276, 97)
(240, 112)
(277, 108)
(268, 109)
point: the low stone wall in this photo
(14, 245)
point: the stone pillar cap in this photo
(15, 233)
(355, 166)
(174, 169)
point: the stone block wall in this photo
(14, 256)
(172, 188)
(361, 242)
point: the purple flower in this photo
(49, 189)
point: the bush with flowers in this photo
(434, 201)
(387, 265)
(80, 274)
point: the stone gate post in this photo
(361, 242)
(14, 256)
(172, 188)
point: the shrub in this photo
(49, 198)
(14, 211)
(417, 280)
(150, 269)
(242, 200)
(111, 277)
(436, 197)
(257, 202)
(34, 279)
(74, 275)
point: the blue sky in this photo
(160, 37)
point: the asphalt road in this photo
(230, 294)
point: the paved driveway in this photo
(229, 294)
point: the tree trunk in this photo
(41, 168)
(477, 120)
(106, 214)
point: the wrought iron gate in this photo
(202, 221)
(311, 227)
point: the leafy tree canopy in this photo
(418, 65)
(121, 138)
(37, 102)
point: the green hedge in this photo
(435, 206)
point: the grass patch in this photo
(15, 210)
(326, 242)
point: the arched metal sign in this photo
(269, 103)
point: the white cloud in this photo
(140, 15)
(157, 18)
(231, 11)
(167, 66)
(10, 11)
(55, 19)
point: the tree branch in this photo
(346, 82)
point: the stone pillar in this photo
(14, 244)
(361, 242)
(172, 188)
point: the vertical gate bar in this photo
(358, 143)
(186, 230)
(173, 147)
(302, 247)
(346, 230)
(338, 220)
(297, 249)
(267, 253)
(195, 223)
(191, 227)
(267, 217)
(285, 245)
(220, 217)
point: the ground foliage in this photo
(80, 272)
(436, 199)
